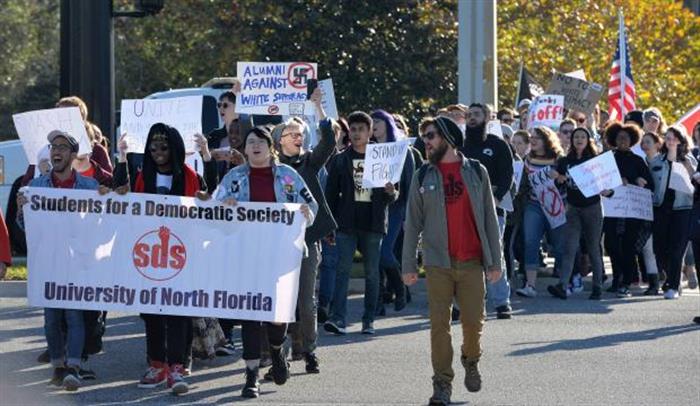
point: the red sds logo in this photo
(159, 255)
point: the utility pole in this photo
(476, 52)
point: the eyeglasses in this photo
(429, 135)
(224, 105)
(293, 135)
(60, 147)
(161, 148)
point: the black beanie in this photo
(635, 116)
(450, 131)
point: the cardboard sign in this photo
(597, 174)
(34, 126)
(275, 88)
(384, 163)
(546, 110)
(549, 197)
(578, 94)
(182, 113)
(629, 202)
(680, 179)
(328, 98)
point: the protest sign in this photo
(143, 253)
(493, 127)
(690, 118)
(384, 163)
(517, 174)
(578, 74)
(549, 197)
(596, 175)
(275, 88)
(546, 110)
(578, 94)
(328, 98)
(506, 203)
(680, 179)
(629, 202)
(194, 160)
(182, 113)
(34, 126)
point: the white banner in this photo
(275, 88)
(34, 126)
(546, 110)
(680, 179)
(328, 98)
(384, 163)
(182, 113)
(596, 174)
(629, 202)
(163, 254)
(549, 197)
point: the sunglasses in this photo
(224, 105)
(429, 135)
(156, 148)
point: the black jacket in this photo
(308, 165)
(496, 156)
(340, 195)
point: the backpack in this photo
(476, 166)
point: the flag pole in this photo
(623, 61)
(517, 89)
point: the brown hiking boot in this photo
(442, 391)
(472, 378)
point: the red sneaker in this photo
(156, 375)
(176, 380)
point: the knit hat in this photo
(450, 131)
(636, 117)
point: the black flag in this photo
(528, 86)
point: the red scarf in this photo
(191, 182)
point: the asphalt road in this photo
(639, 351)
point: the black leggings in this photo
(621, 248)
(168, 338)
(251, 334)
(671, 233)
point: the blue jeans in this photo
(369, 245)
(397, 213)
(498, 293)
(535, 225)
(329, 263)
(74, 336)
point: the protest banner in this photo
(680, 179)
(596, 174)
(139, 115)
(34, 126)
(493, 127)
(143, 253)
(384, 163)
(328, 98)
(578, 94)
(549, 197)
(690, 118)
(275, 88)
(629, 202)
(546, 110)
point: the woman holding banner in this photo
(584, 216)
(264, 179)
(542, 158)
(624, 237)
(651, 145)
(673, 202)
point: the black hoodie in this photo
(495, 154)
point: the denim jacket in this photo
(660, 169)
(289, 187)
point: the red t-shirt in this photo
(89, 172)
(63, 184)
(463, 237)
(262, 186)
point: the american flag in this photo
(621, 94)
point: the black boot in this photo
(280, 366)
(252, 387)
(653, 285)
(395, 284)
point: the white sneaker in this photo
(527, 291)
(577, 283)
(671, 294)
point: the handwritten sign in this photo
(384, 163)
(549, 197)
(680, 179)
(547, 110)
(596, 175)
(328, 98)
(629, 202)
(275, 88)
(33, 127)
(578, 94)
(182, 113)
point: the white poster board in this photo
(328, 98)
(549, 197)
(596, 174)
(493, 127)
(34, 126)
(629, 202)
(275, 88)
(680, 179)
(546, 110)
(384, 163)
(182, 113)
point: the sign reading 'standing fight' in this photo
(275, 88)
(163, 254)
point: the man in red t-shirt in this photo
(451, 203)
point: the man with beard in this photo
(451, 203)
(493, 152)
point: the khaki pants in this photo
(464, 282)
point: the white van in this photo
(13, 164)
